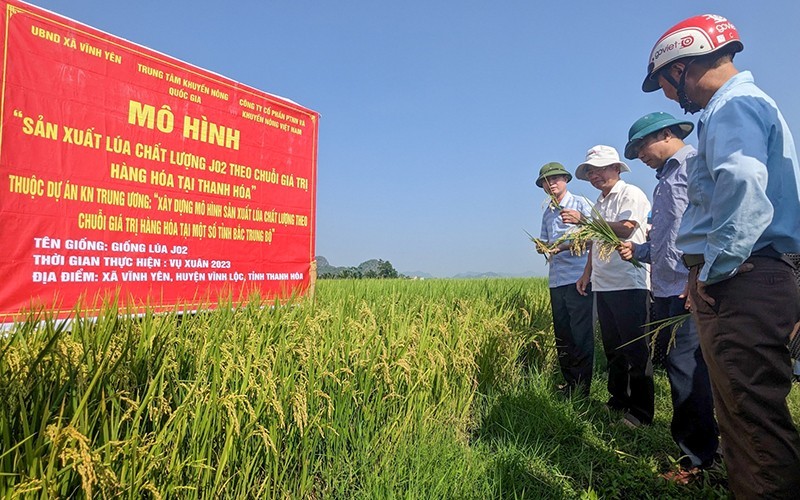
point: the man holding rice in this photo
(620, 287)
(744, 200)
(657, 140)
(572, 311)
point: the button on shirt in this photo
(624, 202)
(744, 183)
(565, 268)
(668, 274)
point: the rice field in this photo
(374, 389)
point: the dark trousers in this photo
(743, 337)
(693, 427)
(622, 315)
(572, 324)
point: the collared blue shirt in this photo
(565, 268)
(668, 275)
(744, 183)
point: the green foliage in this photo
(374, 389)
(371, 269)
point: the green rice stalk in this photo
(553, 201)
(673, 324)
(654, 328)
(597, 230)
(542, 246)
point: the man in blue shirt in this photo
(572, 312)
(657, 140)
(744, 200)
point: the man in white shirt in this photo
(620, 287)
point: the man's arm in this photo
(633, 207)
(623, 229)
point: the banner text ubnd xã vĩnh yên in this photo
(126, 173)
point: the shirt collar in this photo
(675, 161)
(614, 190)
(548, 202)
(737, 79)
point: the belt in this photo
(691, 260)
(771, 253)
(767, 251)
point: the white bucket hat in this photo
(600, 156)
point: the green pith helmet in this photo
(552, 169)
(653, 122)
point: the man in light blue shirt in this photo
(744, 191)
(744, 200)
(657, 140)
(572, 312)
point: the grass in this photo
(376, 389)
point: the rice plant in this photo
(542, 246)
(596, 231)
(373, 389)
(309, 399)
(655, 328)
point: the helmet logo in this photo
(715, 18)
(663, 50)
(723, 27)
(685, 42)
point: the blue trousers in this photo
(572, 324)
(693, 427)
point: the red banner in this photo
(124, 172)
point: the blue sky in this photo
(436, 115)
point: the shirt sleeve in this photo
(641, 252)
(633, 206)
(679, 196)
(736, 155)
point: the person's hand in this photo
(685, 295)
(701, 286)
(701, 291)
(625, 250)
(547, 251)
(570, 216)
(582, 284)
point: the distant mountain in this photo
(324, 267)
(369, 265)
(472, 275)
(533, 274)
(373, 268)
(419, 274)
